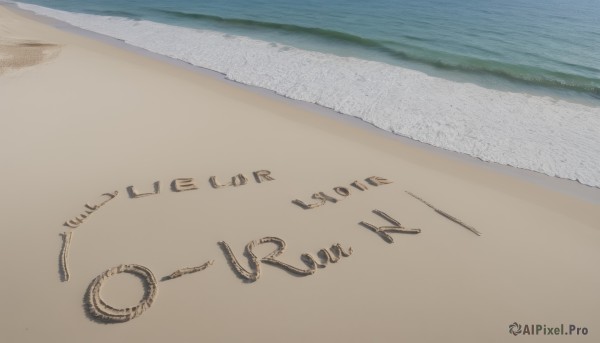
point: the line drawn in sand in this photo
(446, 215)
(382, 231)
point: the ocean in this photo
(515, 82)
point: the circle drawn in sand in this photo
(99, 309)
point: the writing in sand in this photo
(250, 271)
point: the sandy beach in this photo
(126, 159)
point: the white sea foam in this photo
(554, 137)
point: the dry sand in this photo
(81, 118)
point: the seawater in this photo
(515, 82)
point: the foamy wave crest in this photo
(543, 134)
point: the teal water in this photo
(549, 44)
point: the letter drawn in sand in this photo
(75, 222)
(322, 197)
(326, 256)
(133, 193)
(382, 231)
(272, 257)
(377, 181)
(99, 309)
(215, 183)
(446, 215)
(308, 206)
(358, 185)
(110, 197)
(343, 191)
(263, 175)
(64, 255)
(184, 271)
(184, 184)
(239, 180)
(252, 260)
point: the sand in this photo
(147, 182)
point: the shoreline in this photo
(548, 146)
(554, 183)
